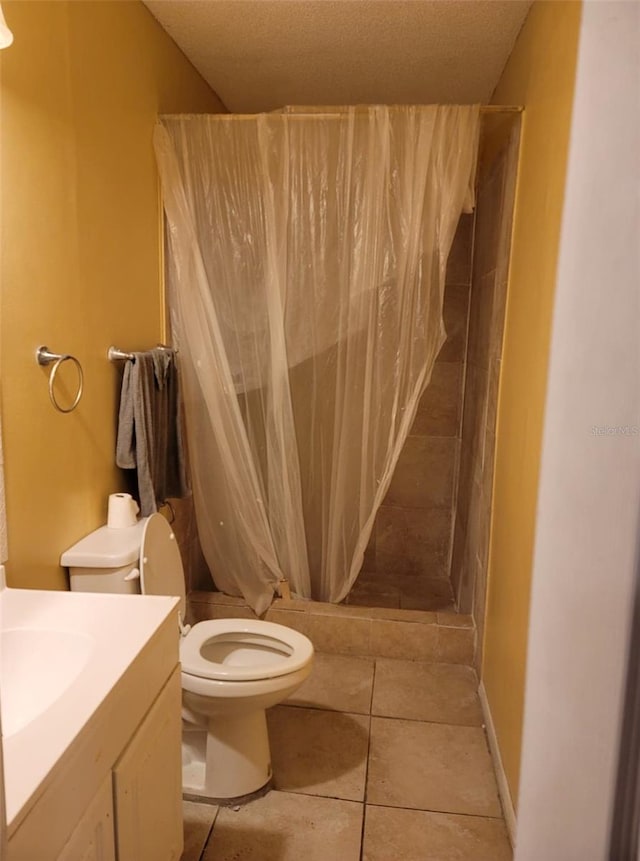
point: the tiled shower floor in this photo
(402, 591)
(374, 759)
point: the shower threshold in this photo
(415, 635)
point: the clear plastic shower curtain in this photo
(306, 264)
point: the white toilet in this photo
(232, 669)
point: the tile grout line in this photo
(309, 794)
(381, 716)
(205, 845)
(499, 818)
(442, 812)
(378, 804)
(366, 768)
(433, 722)
(373, 685)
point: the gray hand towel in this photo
(149, 430)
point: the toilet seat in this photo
(285, 651)
(271, 650)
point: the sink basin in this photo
(36, 668)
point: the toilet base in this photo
(229, 759)
(230, 802)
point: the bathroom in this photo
(81, 268)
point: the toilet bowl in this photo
(232, 669)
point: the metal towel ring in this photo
(44, 356)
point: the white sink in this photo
(36, 668)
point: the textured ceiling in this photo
(259, 55)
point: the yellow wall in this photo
(80, 266)
(539, 75)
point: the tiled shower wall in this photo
(408, 559)
(494, 215)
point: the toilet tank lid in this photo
(106, 548)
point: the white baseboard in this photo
(501, 777)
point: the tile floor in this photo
(374, 759)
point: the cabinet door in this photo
(148, 783)
(92, 838)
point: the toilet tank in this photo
(106, 560)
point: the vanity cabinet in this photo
(147, 784)
(116, 794)
(136, 815)
(93, 838)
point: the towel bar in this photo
(114, 354)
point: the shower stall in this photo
(337, 282)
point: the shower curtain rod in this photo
(309, 112)
(501, 109)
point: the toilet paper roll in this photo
(122, 512)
